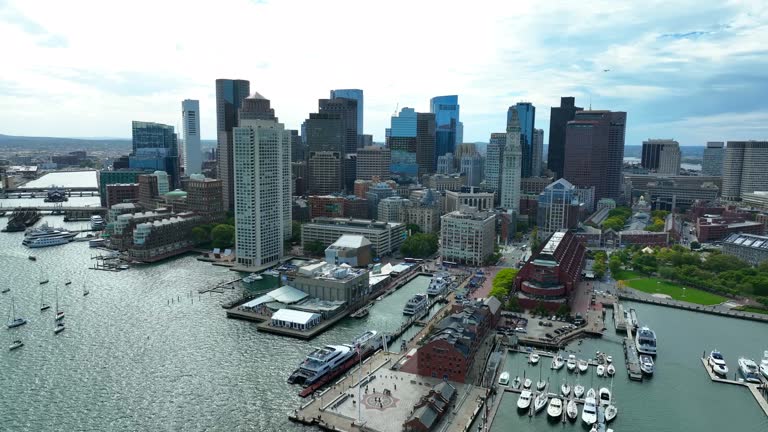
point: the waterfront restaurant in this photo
(294, 319)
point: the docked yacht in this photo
(645, 341)
(646, 364)
(555, 408)
(540, 402)
(749, 370)
(320, 362)
(717, 363)
(572, 410)
(605, 396)
(504, 379)
(610, 370)
(533, 358)
(583, 366)
(367, 341)
(97, 223)
(45, 236)
(571, 363)
(416, 305)
(589, 413)
(558, 362)
(438, 284)
(524, 401)
(764, 364)
(600, 370)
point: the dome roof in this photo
(178, 193)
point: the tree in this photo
(513, 304)
(295, 232)
(419, 245)
(413, 228)
(200, 235)
(223, 236)
(719, 263)
(614, 264)
(599, 268)
(563, 310)
(314, 248)
(695, 245)
(535, 242)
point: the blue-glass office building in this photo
(402, 143)
(155, 147)
(357, 95)
(446, 110)
(526, 113)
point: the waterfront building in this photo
(661, 155)
(393, 209)
(712, 164)
(744, 169)
(190, 119)
(120, 230)
(373, 163)
(558, 119)
(229, 98)
(357, 96)
(325, 139)
(353, 250)
(330, 282)
(450, 351)
(493, 161)
(559, 208)
(594, 151)
(431, 408)
(526, 120)
(537, 158)
(511, 171)
(262, 149)
(749, 248)
(471, 165)
(148, 191)
(482, 201)
(446, 111)
(121, 208)
(115, 177)
(443, 182)
(467, 236)
(118, 193)
(205, 197)
(385, 237)
(155, 148)
(163, 238)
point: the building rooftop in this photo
(323, 270)
(351, 241)
(294, 316)
(748, 240)
(553, 243)
(360, 223)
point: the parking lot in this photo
(526, 325)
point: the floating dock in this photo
(619, 317)
(754, 388)
(631, 359)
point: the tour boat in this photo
(558, 362)
(524, 401)
(589, 413)
(438, 284)
(571, 363)
(17, 343)
(610, 370)
(45, 242)
(555, 408)
(97, 223)
(320, 362)
(578, 391)
(610, 412)
(645, 341)
(504, 379)
(527, 383)
(764, 364)
(572, 410)
(540, 402)
(600, 370)
(583, 366)
(416, 305)
(605, 396)
(533, 358)
(565, 389)
(717, 363)
(749, 370)
(646, 364)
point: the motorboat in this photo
(540, 402)
(646, 364)
(610, 370)
(565, 389)
(516, 383)
(367, 341)
(555, 408)
(320, 362)
(600, 370)
(540, 385)
(571, 362)
(717, 363)
(527, 383)
(46, 230)
(524, 401)
(96, 242)
(416, 305)
(572, 410)
(609, 359)
(558, 362)
(32, 258)
(749, 370)
(578, 391)
(438, 284)
(610, 412)
(58, 328)
(645, 341)
(764, 364)
(97, 223)
(504, 379)
(589, 413)
(583, 366)
(16, 344)
(591, 393)
(533, 358)
(5, 290)
(605, 396)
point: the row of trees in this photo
(600, 264)
(501, 288)
(420, 245)
(617, 218)
(214, 235)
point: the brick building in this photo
(118, 193)
(205, 197)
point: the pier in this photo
(754, 388)
(631, 358)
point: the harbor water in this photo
(78, 179)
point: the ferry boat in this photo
(97, 222)
(438, 284)
(749, 370)
(717, 363)
(645, 341)
(320, 362)
(646, 364)
(416, 305)
(46, 230)
(45, 242)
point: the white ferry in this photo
(416, 305)
(45, 231)
(438, 284)
(645, 341)
(45, 241)
(320, 362)
(97, 222)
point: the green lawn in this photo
(628, 274)
(677, 292)
(752, 310)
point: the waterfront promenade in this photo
(718, 309)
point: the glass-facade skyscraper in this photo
(446, 110)
(402, 142)
(229, 98)
(357, 95)
(155, 148)
(526, 113)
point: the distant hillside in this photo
(61, 144)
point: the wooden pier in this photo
(631, 359)
(754, 388)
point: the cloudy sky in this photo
(690, 70)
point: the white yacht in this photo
(717, 363)
(578, 390)
(749, 370)
(320, 362)
(533, 358)
(438, 284)
(645, 341)
(558, 362)
(605, 396)
(416, 305)
(600, 370)
(45, 242)
(646, 364)
(610, 413)
(46, 230)
(555, 408)
(571, 363)
(610, 370)
(589, 413)
(764, 364)
(524, 401)
(367, 341)
(504, 379)
(97, 222)
(583, 366)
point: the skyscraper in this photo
(594, 149)
(559, 117)
(493, 161)
(661, 156)
(446, 111)
(229, 98)
(155, 148)
(262, 149)
(472, 166)
(373, 162)
(712, 164)
(347, 110)
(425, 143)
(558, 208)
(402, 143)
(538, 152)
(357, 95)
(526, 113)
(325, 140)
(510, 176)
(744, 168)
(190, 119)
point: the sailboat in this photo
(59, 327)
(59, 313)
(68, 283)
(13, 320)
(85, 289)
(16, 343)
(43, 279)
(43, 305)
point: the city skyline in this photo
(691, 64)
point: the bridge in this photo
(71, 213)
(41, 192)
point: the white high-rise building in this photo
(669, 158)
(510, 177)
(191, 152)
(262, 167)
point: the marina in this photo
(758, 391)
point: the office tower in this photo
(558, 208)
(538, 152)
(347, 111)
(559, 118)
(357, 95)
(425, 143)
(744, 168)
(190, 119)
(526, 114)
(262, 149)
(493, 161)
(204, 197)
(594, 151)
(446, 111)
(472, 166)
(467, 236)
(373, 162)
(445, 164)
(325, 141)
(229, 98)
(155, 148)
(649, 157)
(712, 164)
(402, 142)
(669, 158)
(459, 132)
(298, 148)
(510, 176)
